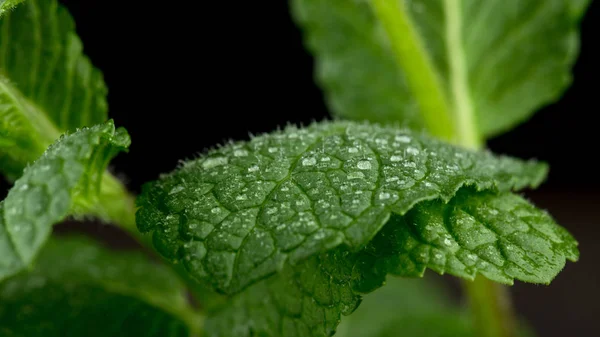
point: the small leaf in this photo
(309, 298)
(47, 85)
(65, 180)
(236, 215)
(495, 61)
(79, 288)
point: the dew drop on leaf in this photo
(364, 165)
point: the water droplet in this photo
(355, 175)
(176, 189)
(395, 158)
(253, 168)
(352, 150)
(240, 153)
(364, 165)
(215, 210)
(412, 150)
(272, 210)
(272, 150)
(447, 242)
(402, 139)
(309, 161)
(384, 196)
(325, 159)
(214, 162)
(391, 179)
(241, 197)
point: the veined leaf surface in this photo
(295, 225)
(484, 65)
(237, 214)
(500, 236)
(65, 180)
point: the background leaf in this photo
(65, 180)
(47, 85)
(506, 60)
(79, 288)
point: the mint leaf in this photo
(79, 288)
(47, 85)
(500, 236)
(503, 237)
(473, 59)
(6, 5)
(236, 215)
(65, 180)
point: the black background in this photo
(184, 76)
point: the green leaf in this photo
(236, 215)
(47, 85)
(427, 63)
(500, 236)
(79, 288)
(503, 237)
(6, 5)
(65, 180)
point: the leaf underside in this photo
(508, 58)
(63, 181)
(47, 85)
(294, 226)
(78, 288)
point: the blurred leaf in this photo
(496, 62)
(47, 85)
(79, 288)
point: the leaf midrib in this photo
(455, 113)
(464, 113)
(32, 114)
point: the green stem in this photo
(463, 111)
(448, 112)
(417, 67)
(491, 308)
